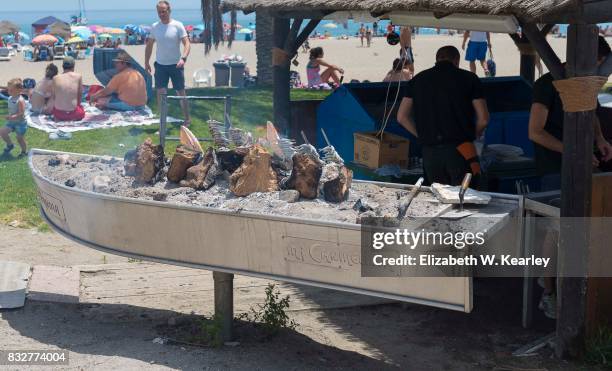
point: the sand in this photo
(359, 63)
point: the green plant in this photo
(273, 313)
(210, 331)
(599, 348)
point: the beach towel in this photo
(95, 119)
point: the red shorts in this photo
(77, 115)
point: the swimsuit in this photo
(313, 75)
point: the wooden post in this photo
(528, 67)
(224, 302)
(281, 74)
(575, 198)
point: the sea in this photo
(110, 18)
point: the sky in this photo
(72, 5)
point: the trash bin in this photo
(222, 73)
(238, 74)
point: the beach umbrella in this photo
(129, 27)
(245, 31)
(105, 36)
(189, 28)
(83, 33)
(7, 27)
(24, 38)
(44, 39)
(61, 29)
(96, 28)
(113, 31)
(330, 25)
(75, 40)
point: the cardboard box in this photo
(373, 151)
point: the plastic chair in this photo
(59, 52)
(80, 54)
(5, 54)
(202, 76)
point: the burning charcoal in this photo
(335, 182)
(362, 205)
(70, 183)
(54, 162)
(101, 184)
(160, 197)
(231, 160)
(145, 163)
(202, 175)
(255, 174)
(290, 195)
(305, 175)
(182, 160)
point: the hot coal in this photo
(203, 174)
(230, 160)
(145, 163)
(54, 162)
(70, 183)
(255, 174)
(182, 160)
(335, 182)
(305, 175)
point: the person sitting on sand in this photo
(400, 71)
(41, 97)
(316, 78)
(126, 91)
(67, 93)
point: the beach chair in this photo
(202, 76)
(59, 52)
(43, 55)
(5, 54)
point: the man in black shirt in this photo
(546, 127)
(445, 108)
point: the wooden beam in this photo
(293, 32)
(547, 54)
(547, 28)
(303, 36)
(281, 93)
(576, 188)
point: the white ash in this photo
(382, 201)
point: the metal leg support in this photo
(163, 117)
(224, 302)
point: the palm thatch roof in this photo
(528, 9)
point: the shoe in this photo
(548, 305)
(8, 148)
(22, 154)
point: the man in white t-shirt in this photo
(169, 61)
(477, 49)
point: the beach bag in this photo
(491, 65)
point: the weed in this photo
(210, 332)
(272, 314)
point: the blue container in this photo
(104, 68)
(360, 107)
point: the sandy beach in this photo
(360, 63)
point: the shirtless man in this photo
(67, 93)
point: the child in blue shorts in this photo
(15, 120)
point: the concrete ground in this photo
(123, 306)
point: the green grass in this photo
(251, 109)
